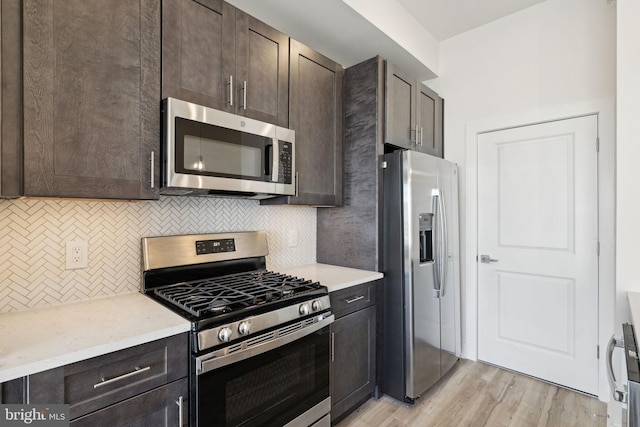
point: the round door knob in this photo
(316, 305)
(304, 309)
(244, 328)
(224, 334)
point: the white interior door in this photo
(538, 225)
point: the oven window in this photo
(269, 389)
(206, 149)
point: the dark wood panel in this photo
(87, 66)
(354, 366)
(429, 113)
(315, 113)
(159, 407)
(354, 227)
(353, 298)
(12, 392)
(400, 99)
(262, 69)
(73, 384)
(198, 52)
(11, 99)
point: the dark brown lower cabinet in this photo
(144, 385)
(163, 406)
(353, 342)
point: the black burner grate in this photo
(224, 294)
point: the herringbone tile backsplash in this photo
(33, 234)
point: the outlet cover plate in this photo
(76, 254)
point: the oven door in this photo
(282, 385)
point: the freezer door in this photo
(422, 314)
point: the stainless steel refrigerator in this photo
(422, 275)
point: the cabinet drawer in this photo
(95, 383)
(163, 406)
(354, 298)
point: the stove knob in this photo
(244, 328)
(224, 334)
(316, 305)
(304, 309)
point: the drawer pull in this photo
(349, 301)
(137, 371)
(180, 402)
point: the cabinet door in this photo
(198, 52)
(162, 406)
(91, 86)
(429, 123)
(315, 114)
(353, 373)
(11, 99)
(400, 106)
(262, 70)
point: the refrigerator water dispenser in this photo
(425, 227)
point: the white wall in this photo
(628, 156)
(552, 60)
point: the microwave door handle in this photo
(275, 167)
(268, 163)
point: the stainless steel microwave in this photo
(208, 152)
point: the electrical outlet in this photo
(76, 254)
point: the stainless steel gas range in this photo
(260, 342)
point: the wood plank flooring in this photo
(475, 394)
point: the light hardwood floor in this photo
(475, 394)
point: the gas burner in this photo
(233, 292)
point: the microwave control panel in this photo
(286, 163)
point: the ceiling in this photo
(447, 18)
(342, 33)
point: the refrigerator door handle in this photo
(441, 249)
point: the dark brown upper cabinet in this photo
(414, 114)
(91, 95)
(218, 56)
(315, 108)
(11, 97)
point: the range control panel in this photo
(204, 247)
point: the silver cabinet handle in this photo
(179, 402)
(244, 95)
(137, 370)
(349, 301)
(487, 259)
(153, 166)
(333, 341)
(421, 131)
(297, 183)
(230, 84)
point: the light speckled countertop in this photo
(33, 341)
(331, 276)
(36, 340)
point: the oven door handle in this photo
(220, 358)
(618, 394)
